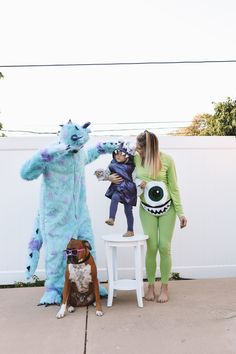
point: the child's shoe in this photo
(128, 234)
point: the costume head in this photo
(126, 149)
(74, 136)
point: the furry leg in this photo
(55, 265)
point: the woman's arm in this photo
(174, 193)
(140, 185)
(115, 178)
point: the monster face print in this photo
(156, 198)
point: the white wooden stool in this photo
(112, 241)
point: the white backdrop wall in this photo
(206, 168)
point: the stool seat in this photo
(120, 238)
(112, 242)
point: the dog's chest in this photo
(80, 274)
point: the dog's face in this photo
(77, 250)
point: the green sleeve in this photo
(174, 189)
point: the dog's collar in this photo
(84, 259)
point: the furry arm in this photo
(101, 148)
(33, 168)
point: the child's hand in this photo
(54, 151)
(143, 184)
(98, 173)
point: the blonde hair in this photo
(151, 159)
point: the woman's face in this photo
(140, 149)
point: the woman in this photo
(160, 203)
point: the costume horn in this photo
(85, 125)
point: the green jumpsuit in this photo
(160, 228)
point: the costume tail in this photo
(33, 250)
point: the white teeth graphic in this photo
(157, 210)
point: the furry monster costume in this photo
(63, 211)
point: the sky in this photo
(106, 31)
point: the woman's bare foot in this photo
(163, 297)
(128, 234)
(110, 221)
(150, 294)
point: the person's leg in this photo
(166, 229)
(130, 220)
(150, 228)
(115, 199)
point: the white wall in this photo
(206, 168)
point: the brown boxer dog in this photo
(81, 283)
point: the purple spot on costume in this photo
(35, 244)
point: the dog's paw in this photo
(99, 313)
(71, 309)
(60, 314)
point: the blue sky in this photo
(46, 32)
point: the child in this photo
(125, 192)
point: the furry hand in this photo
(54, 151)
(107, 147)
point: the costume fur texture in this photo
(63, 211)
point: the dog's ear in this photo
(87, 244)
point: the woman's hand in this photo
(115, 178)
(183, 221)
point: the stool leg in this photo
(110, 275)
(138, 275)
(115, 270)
(142, 265)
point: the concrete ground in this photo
(200, 318)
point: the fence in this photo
(206, 168)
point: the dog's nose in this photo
(72, 259)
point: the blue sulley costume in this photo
(63, 212)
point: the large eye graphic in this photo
(155, 193)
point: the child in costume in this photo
(125, 192)
(63, 211)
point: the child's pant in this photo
(115, 199)
(160, 231)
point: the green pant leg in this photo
(150, 228)
(166, 229)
